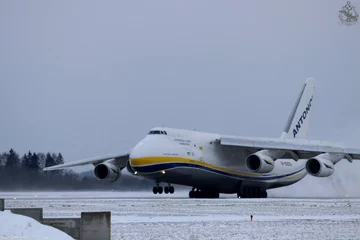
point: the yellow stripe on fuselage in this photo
(146, 161)
(294, 176)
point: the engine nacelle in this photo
(319, 167)
(107, 172)
(260, 163)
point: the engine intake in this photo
(107, 172)
(260, 163)
(319, 167)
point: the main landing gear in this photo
(252, 192)
(167, 189)
(201, 193)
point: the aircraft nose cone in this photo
(136, 152)
(147, 150)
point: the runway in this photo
(142, 215)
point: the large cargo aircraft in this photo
(213, 163)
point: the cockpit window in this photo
(158, 132)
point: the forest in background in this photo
(25, 173)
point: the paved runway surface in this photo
(142, 215)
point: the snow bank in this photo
(14, 226)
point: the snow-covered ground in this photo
(14, 226)
(142, 215)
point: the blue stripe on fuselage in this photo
(167, 166)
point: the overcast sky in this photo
(86, 78)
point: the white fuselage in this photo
(196, 159)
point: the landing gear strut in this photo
(252, 192)
(201, 193)
(167, 189)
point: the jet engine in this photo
(107, 172)
(258, 162)
(319, 167)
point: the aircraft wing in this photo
(120, 158)
(294, 148)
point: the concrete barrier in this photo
(91, 225)
(95, 226)
(35, 213)
(2, 205)
(71, 226)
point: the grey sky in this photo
(90, 77)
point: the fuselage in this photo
(195, 159)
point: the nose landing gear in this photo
(167, 189)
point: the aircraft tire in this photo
(246, 192)
(191, 194)
(160, 190)
(215, 195)
(171, 189)
(155, 190)
(166, 190)
(203, 194)
(252, 192)
(263, 194)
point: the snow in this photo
(143, 215)
(15, 226)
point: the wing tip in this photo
(310, 80)
(48, 169)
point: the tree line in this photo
(29, 161)
(26, 173)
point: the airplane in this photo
(213, 164)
